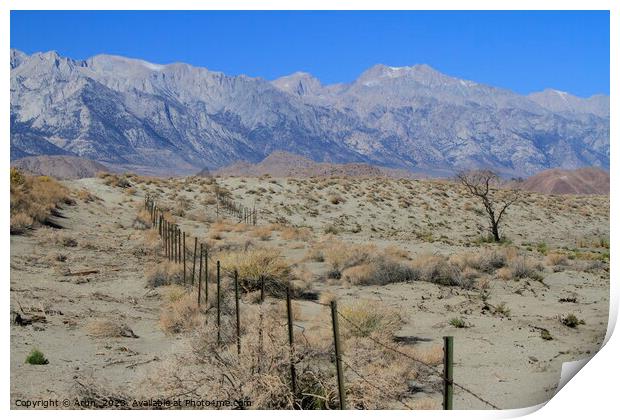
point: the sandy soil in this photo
(503, 358)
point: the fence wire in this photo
(354, 325)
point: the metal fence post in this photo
(194, 265)
(237, 313)
(448, 387)
(184, 264)
(200, 275)
(289, 314)
(341, 392)
(219, 335)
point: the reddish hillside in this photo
(60, 167)
(561, 181)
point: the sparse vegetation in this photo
(34, 199)
(571, 320)
(163, 274)
(483, 184)
(458, 323)
(371, 318)
(36, 357)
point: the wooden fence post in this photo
(289, 314)
(237, 313)
(219, 335)
(448, 387)
(194, 265)
(339, 372)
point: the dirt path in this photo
(97, 236)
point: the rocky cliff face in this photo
(177, 118)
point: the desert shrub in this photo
(163, 274)
(34, 199)
(331, 229)
(142, 220)
(501, 309)
(67, 240)
(115, 180)
(263, 232)
(298, 234)
(379, 271)
(556, 259)
(36, 357)
(523, 268)
(336, 199)
(181, 314)
(106, 328)
(486, 260)
(340, 255)
(372, 317)
(396, 252)
(86, 196)
(571, 320)
(21, 222)
(256, 265)
(458, 323)
(437, 269)
(149, 244)
(261, 372)
(504, 273)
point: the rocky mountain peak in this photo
(178, 118)
(299, 83)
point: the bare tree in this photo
(485, 184)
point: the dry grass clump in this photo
(150, 243)
(367, 265)
(222, 226)
(556, 259)
(115, 180)
(256, 265)
(34, 199)
(519, 268)
(336, 199)
(181, 313)
(297, 234)
(340, 255)
(439, 270)
(106, 328)
(86, 196)
(263, 232)
(485, 260)
(370, 318)
(380, 270)
(142, 220)
(163, 274)
(261, 373)
(426, 404)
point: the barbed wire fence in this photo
(175, 250)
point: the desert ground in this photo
(407, 259)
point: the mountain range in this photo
(130, 114)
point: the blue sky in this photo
(522, 51)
